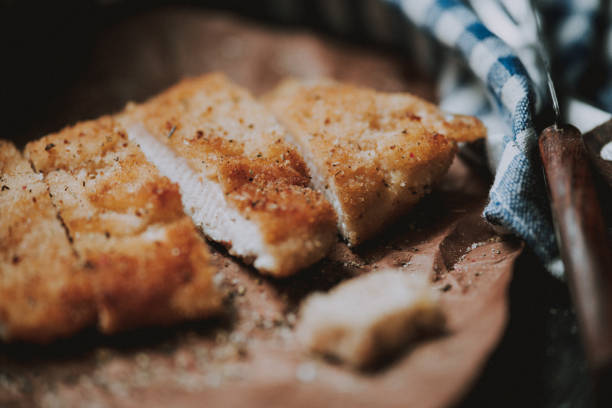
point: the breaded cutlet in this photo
(147, 262)
(373, 154)
(240, 181)
(44, 294)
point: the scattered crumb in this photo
(306, 372)
(291, 319)
(218, 279)
(369, 316)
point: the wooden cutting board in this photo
(250, 356)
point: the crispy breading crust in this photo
(169, 279)
(373, 154)
(228, 137)
(147, 263)
(44, 294)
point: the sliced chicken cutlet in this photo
(44, 293)
(372, 154)
(240, 182)
(147, 261)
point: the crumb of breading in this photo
(369, 317)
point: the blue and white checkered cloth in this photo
(479, 74)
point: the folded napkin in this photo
(501, 83)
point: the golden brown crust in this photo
(374, 154)
(102, 184)
(145, 282)
(43, 292)
(227, 136)
(147, 262)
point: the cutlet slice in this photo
(372, 154)
(240, 182)
(147, 261)
(44, 294)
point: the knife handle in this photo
(583, 241)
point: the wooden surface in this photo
(584, 243)
(251, 357)
(595, 140)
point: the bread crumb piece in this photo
(306, 372)
(369, 317)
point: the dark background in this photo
(45, 45)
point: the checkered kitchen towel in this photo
(500, 82)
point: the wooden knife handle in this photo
(584, 244)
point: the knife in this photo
(577, 215)
(581, 235)
(584, 245)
